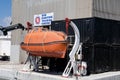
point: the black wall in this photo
(101, 42)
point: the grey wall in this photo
(109, 9)
(24, 10)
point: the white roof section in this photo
(2, 37)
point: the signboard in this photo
(43, 19)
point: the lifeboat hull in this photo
(57, 50)
(45, 44)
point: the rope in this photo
(29, 38)
(44, 37)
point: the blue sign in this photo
(45, 19)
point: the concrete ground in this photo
(14, 72)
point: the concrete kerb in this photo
(14, 72)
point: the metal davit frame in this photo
(74, 62)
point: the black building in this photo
(101, 42)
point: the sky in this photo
(5, 12)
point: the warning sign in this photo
(43, 19)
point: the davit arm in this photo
(10, 28)
(75, 49)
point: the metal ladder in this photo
(73, 63)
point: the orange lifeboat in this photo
(45, 43)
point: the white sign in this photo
(43, 19)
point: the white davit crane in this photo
(77, 47)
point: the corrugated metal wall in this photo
(61, 8)
(109, 9)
